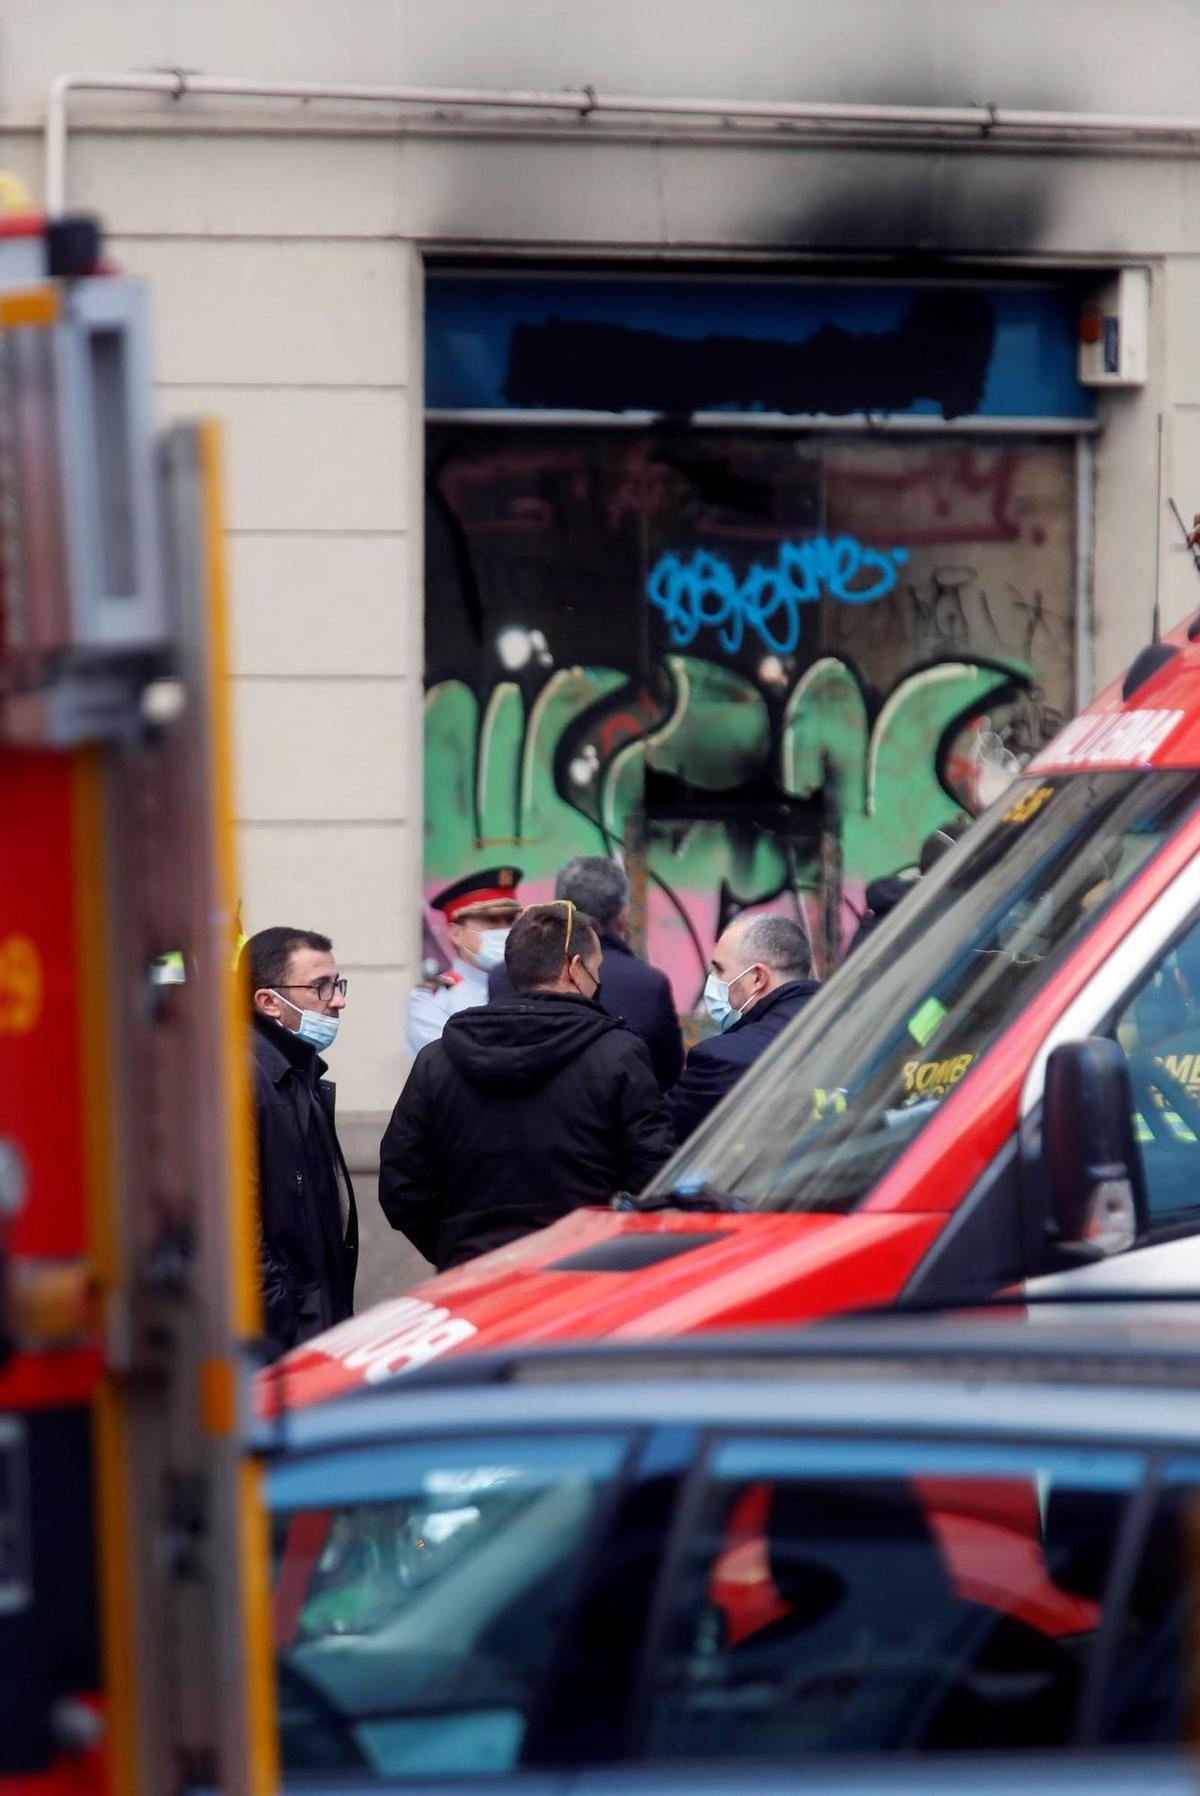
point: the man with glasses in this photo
(308, 1235)
(526, 1108)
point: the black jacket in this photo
(715, 1065)
(639, 995)
(307, 1263)
(525, 1109)
(882, 895)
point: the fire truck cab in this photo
(1002, 1087)
(133, 1542)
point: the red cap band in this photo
(474, 900)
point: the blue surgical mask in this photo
(716, 999)
(490, 951)
(319, 1030)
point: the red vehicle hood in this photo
(620, 1274)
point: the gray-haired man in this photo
(759, 979)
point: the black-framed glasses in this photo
(324, 988)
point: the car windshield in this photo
(823, 1115)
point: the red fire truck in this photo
(134, 1635)
(1003, 1087)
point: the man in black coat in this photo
(759, 980)
(527, 1107)
(638, 994)
(308, 1235)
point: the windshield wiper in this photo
(701, 1197)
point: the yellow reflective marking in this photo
(1177, 1126)
(14, 195)
(21, 985)
(934, 1078)
(39, 306)
(1028, 805)
(261, 1775)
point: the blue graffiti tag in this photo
(705, 593)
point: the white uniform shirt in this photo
(428, 1010)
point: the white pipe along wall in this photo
(973, 126)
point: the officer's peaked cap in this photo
(488, 889)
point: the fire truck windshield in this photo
(821, 1117)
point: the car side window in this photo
(852, 1597)
(421, 1594)
(1150, 1700)
(1159, 1030)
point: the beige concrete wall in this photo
(1106, 54)
(307, 348)
(1180, 582)
(283, 246)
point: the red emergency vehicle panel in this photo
(1148, 718)
(747, 1271)
(41, 1110)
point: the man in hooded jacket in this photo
(638, 994)
(526, 1108)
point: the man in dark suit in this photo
(759, 979)
(638, 994)
(308, 1224)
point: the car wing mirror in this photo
(1093, 1162)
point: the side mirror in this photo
(1093, 1163)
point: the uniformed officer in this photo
(479, 909)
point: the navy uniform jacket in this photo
(715, 1065)
(638, 994)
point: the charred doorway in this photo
(760, 657)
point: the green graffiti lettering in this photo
(566, 776)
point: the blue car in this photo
(711, 1563)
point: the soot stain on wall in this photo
(939, 351)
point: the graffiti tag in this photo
(706, 594)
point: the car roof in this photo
(985, 1774)
(967, 1381)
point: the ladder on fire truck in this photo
(134, 1633)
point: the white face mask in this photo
(490, 951)
(315, 1028)
(716, 999)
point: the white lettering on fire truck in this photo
(1125, 739)
(395, 1337)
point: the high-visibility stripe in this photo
(262, 1771)
(235, 1057)
(39, 306)
(218, 1396)
(259, 1647)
